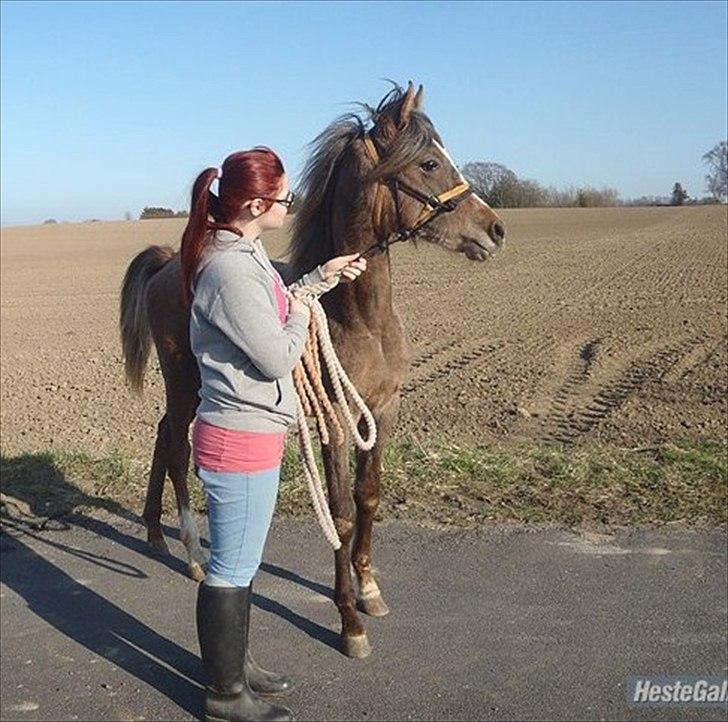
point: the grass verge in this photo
(446, 483)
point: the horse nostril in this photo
(498, 233)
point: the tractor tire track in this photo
(578, 409)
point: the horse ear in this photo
(407, 106)
(420, 98)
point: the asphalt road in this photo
(507, 623)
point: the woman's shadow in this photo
(100, 626)
(37, 497)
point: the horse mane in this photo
(311, 241)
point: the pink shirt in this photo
(230, 450)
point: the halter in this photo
(434, 205)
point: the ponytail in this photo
(193, 237)
(204, 204)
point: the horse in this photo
(373, 178)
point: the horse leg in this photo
(367, 494)
(354, 642)
(152, 514)
(181, 415)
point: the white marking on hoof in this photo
(197, 571)
(373, 606)
(357, 647)
(190, 537)
(368, 590)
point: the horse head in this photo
(420, 191)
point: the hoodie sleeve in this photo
(242, 311)
(315, 276)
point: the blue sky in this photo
(108, 107)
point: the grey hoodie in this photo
(244, 353)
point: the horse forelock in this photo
(403, 146)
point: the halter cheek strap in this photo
(434, 205)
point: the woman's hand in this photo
(351, 267)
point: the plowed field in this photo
(592, 324)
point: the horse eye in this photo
(429, 165)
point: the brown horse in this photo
(362, 190)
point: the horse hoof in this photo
(356, 646)
(373, 606)
(197, 571)
(159, 546)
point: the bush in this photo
(154, 212)
(647, 201)
(592, 198)
(500, 187)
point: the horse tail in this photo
(136, 337)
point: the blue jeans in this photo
(239, 509)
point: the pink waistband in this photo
(218, 449)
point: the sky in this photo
(109, 107)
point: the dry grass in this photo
(444, 483)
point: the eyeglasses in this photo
(287, 201)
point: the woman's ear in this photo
(256, 207)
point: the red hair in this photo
(248, 174)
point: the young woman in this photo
(247, 334)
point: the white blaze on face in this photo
(442, 150)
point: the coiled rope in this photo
(312, 400)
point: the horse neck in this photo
(369, 299)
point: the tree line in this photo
(500, 187)
(155, 212)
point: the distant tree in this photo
(717, 179)
(530, 194)
(49, 220)
(154, 212)
(493, 182)
(560, 197)
(182, 214)
(589, 197)
(679, 195)
(127, 216)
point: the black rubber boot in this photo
(222, 633)
(261, 680)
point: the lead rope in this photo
(312, 400)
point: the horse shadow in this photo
(38, 498)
